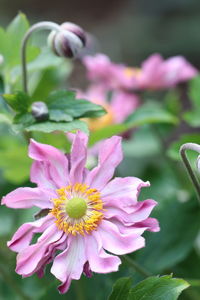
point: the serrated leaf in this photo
(19, 101)
(53, 126)
(77, 108)
(121, 289)
(150, 113)
(158, 288)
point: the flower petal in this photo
(69, 264)
(110, 155)
(99, 260)
(26, 197)
(40, 175)
(122, 192)
(116, 242)
(78, 157)
(29, 259)
(23, 236)
(57, 161)
(138, 212)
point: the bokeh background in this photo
(127, 30)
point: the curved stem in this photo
(35, 27)
(194, 147)
(136, 266)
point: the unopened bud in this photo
(69, 41)
(40, 111)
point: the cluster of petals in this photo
(119, 104)
(155, 73)
(123, 221)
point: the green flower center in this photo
(76, 208)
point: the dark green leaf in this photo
(121, 289)
(158, 288)
(67, 103)
(59, 115)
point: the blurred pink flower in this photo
(89, 213)
(155, 72)
(120, 105)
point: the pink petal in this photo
(29, 259)
(138, 212)
(23, 236)
(110, 155)
(27, 197)
(122, 192)
(150, 224)
(40, 175)
(99, 260)
(57, 161)
(78, 157)
(69, 264)
(116, 242)
(123, 104)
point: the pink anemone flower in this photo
(89, 213)
(120, 105)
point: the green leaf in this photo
(193, 117)
(179, 227)
(14, 35)
(66, 101)
(53, 126)
(194, 91)
(19, 101)
(13, 157)
(150, 112)
(158, 288)
(121, 289)
(59, 115)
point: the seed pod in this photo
(67, 42)
(40, 111)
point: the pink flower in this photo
(155, 72)
(119, 105)
(89, 213)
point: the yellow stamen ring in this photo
(78, 209)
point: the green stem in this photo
(136, 266)
(35, 27)
(183, 149)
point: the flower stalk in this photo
(183, 149)
(36, 27)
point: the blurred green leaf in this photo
(19, 101)
(179, 227)
(158, 288)
(121, 289)
(59, 115)
(173, 150)
(53, 126)
(192, 117)
(150, 112)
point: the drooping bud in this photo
(69, 41)
(40, 111)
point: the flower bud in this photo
(67, 42)
(40, 111)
